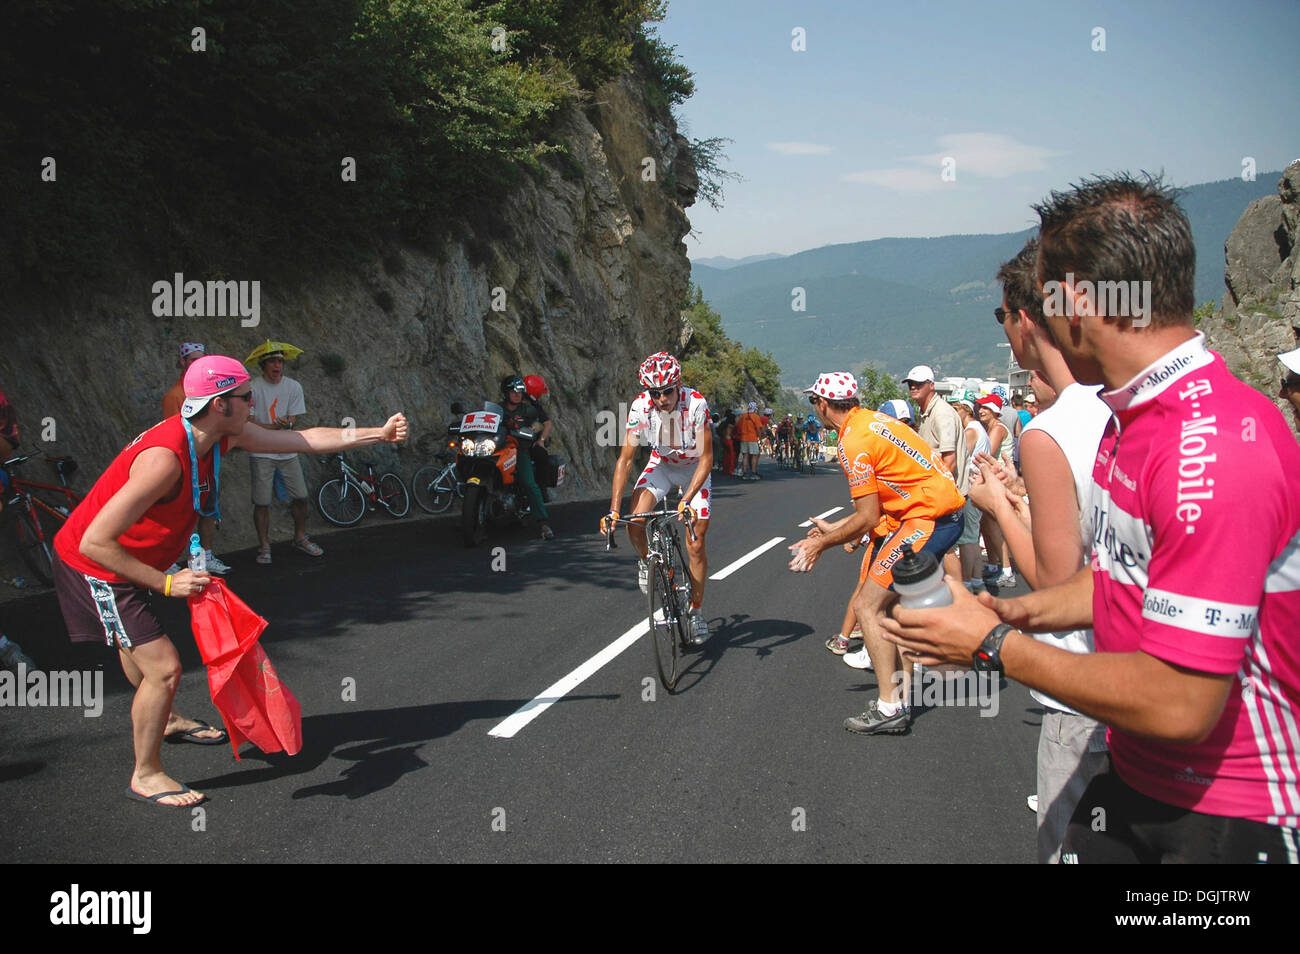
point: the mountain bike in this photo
(35, 519)
(669, 589)
(344, 500)
(436, 485)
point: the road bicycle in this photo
(669, 589)
(345, 499)
(35, 519)
(435, 485)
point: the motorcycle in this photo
(487, 455)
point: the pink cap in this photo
(208, 377)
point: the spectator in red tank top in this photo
(114, 548)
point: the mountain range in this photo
(899, 302)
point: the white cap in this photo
(1292, 360)
(753, 408)
(921, 372)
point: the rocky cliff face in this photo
(1259, 316)
(581, 277)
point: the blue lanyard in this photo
(194, 474)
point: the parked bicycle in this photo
(344, 500)
(35, 519)
(669, 589)
(436, 485)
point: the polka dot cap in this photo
(835, 386)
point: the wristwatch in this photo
(988, 658)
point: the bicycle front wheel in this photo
(35, 546)
(434, 488)
(341, 503)
(394, 496)
(664, 622)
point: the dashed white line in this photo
(821, 516)
(529, 711)
(731, 568)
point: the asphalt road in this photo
(746, 762)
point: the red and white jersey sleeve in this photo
(673, 436)
(1196, 518)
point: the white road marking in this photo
(529, 711)
(731, 568)
(821, 516)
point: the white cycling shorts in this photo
(659, 477)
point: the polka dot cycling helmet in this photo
(660, 370)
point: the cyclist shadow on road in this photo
(739, 631)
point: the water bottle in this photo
(198, 562)
(918, 580)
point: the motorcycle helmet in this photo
(536, 385)
(513, 382)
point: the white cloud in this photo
(799, 148)
(901, 180)
(988, 154)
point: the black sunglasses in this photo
(659, 392)
(813, 399)
(1002, 314)
(247, 395)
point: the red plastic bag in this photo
(254, 704)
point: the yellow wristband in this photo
(167, 586)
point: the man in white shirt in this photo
(277, 404)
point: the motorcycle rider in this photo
(523, 415)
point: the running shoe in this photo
(838, 644)
(872, 722)
(859, 660)
(643, 576)
(12, 656)
(1007, 578)
(214, 563)
(699, 628)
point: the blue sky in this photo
(845, 141)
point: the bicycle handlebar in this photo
(663, 511)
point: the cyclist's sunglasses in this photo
(247, 396)
(1002, 314)
(813, 399)
(660, 392)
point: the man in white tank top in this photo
(1057, 450)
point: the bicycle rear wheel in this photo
(35, 546)
(341, 503)
(434, 487)
(393, 495)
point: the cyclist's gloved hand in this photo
(686, 513)
(608, 522)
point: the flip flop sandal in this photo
(154, 799)
(264, 555)
(191, 735)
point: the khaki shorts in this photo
(263, 470)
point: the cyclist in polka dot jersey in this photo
(674, 421)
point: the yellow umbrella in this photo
(262, 350)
